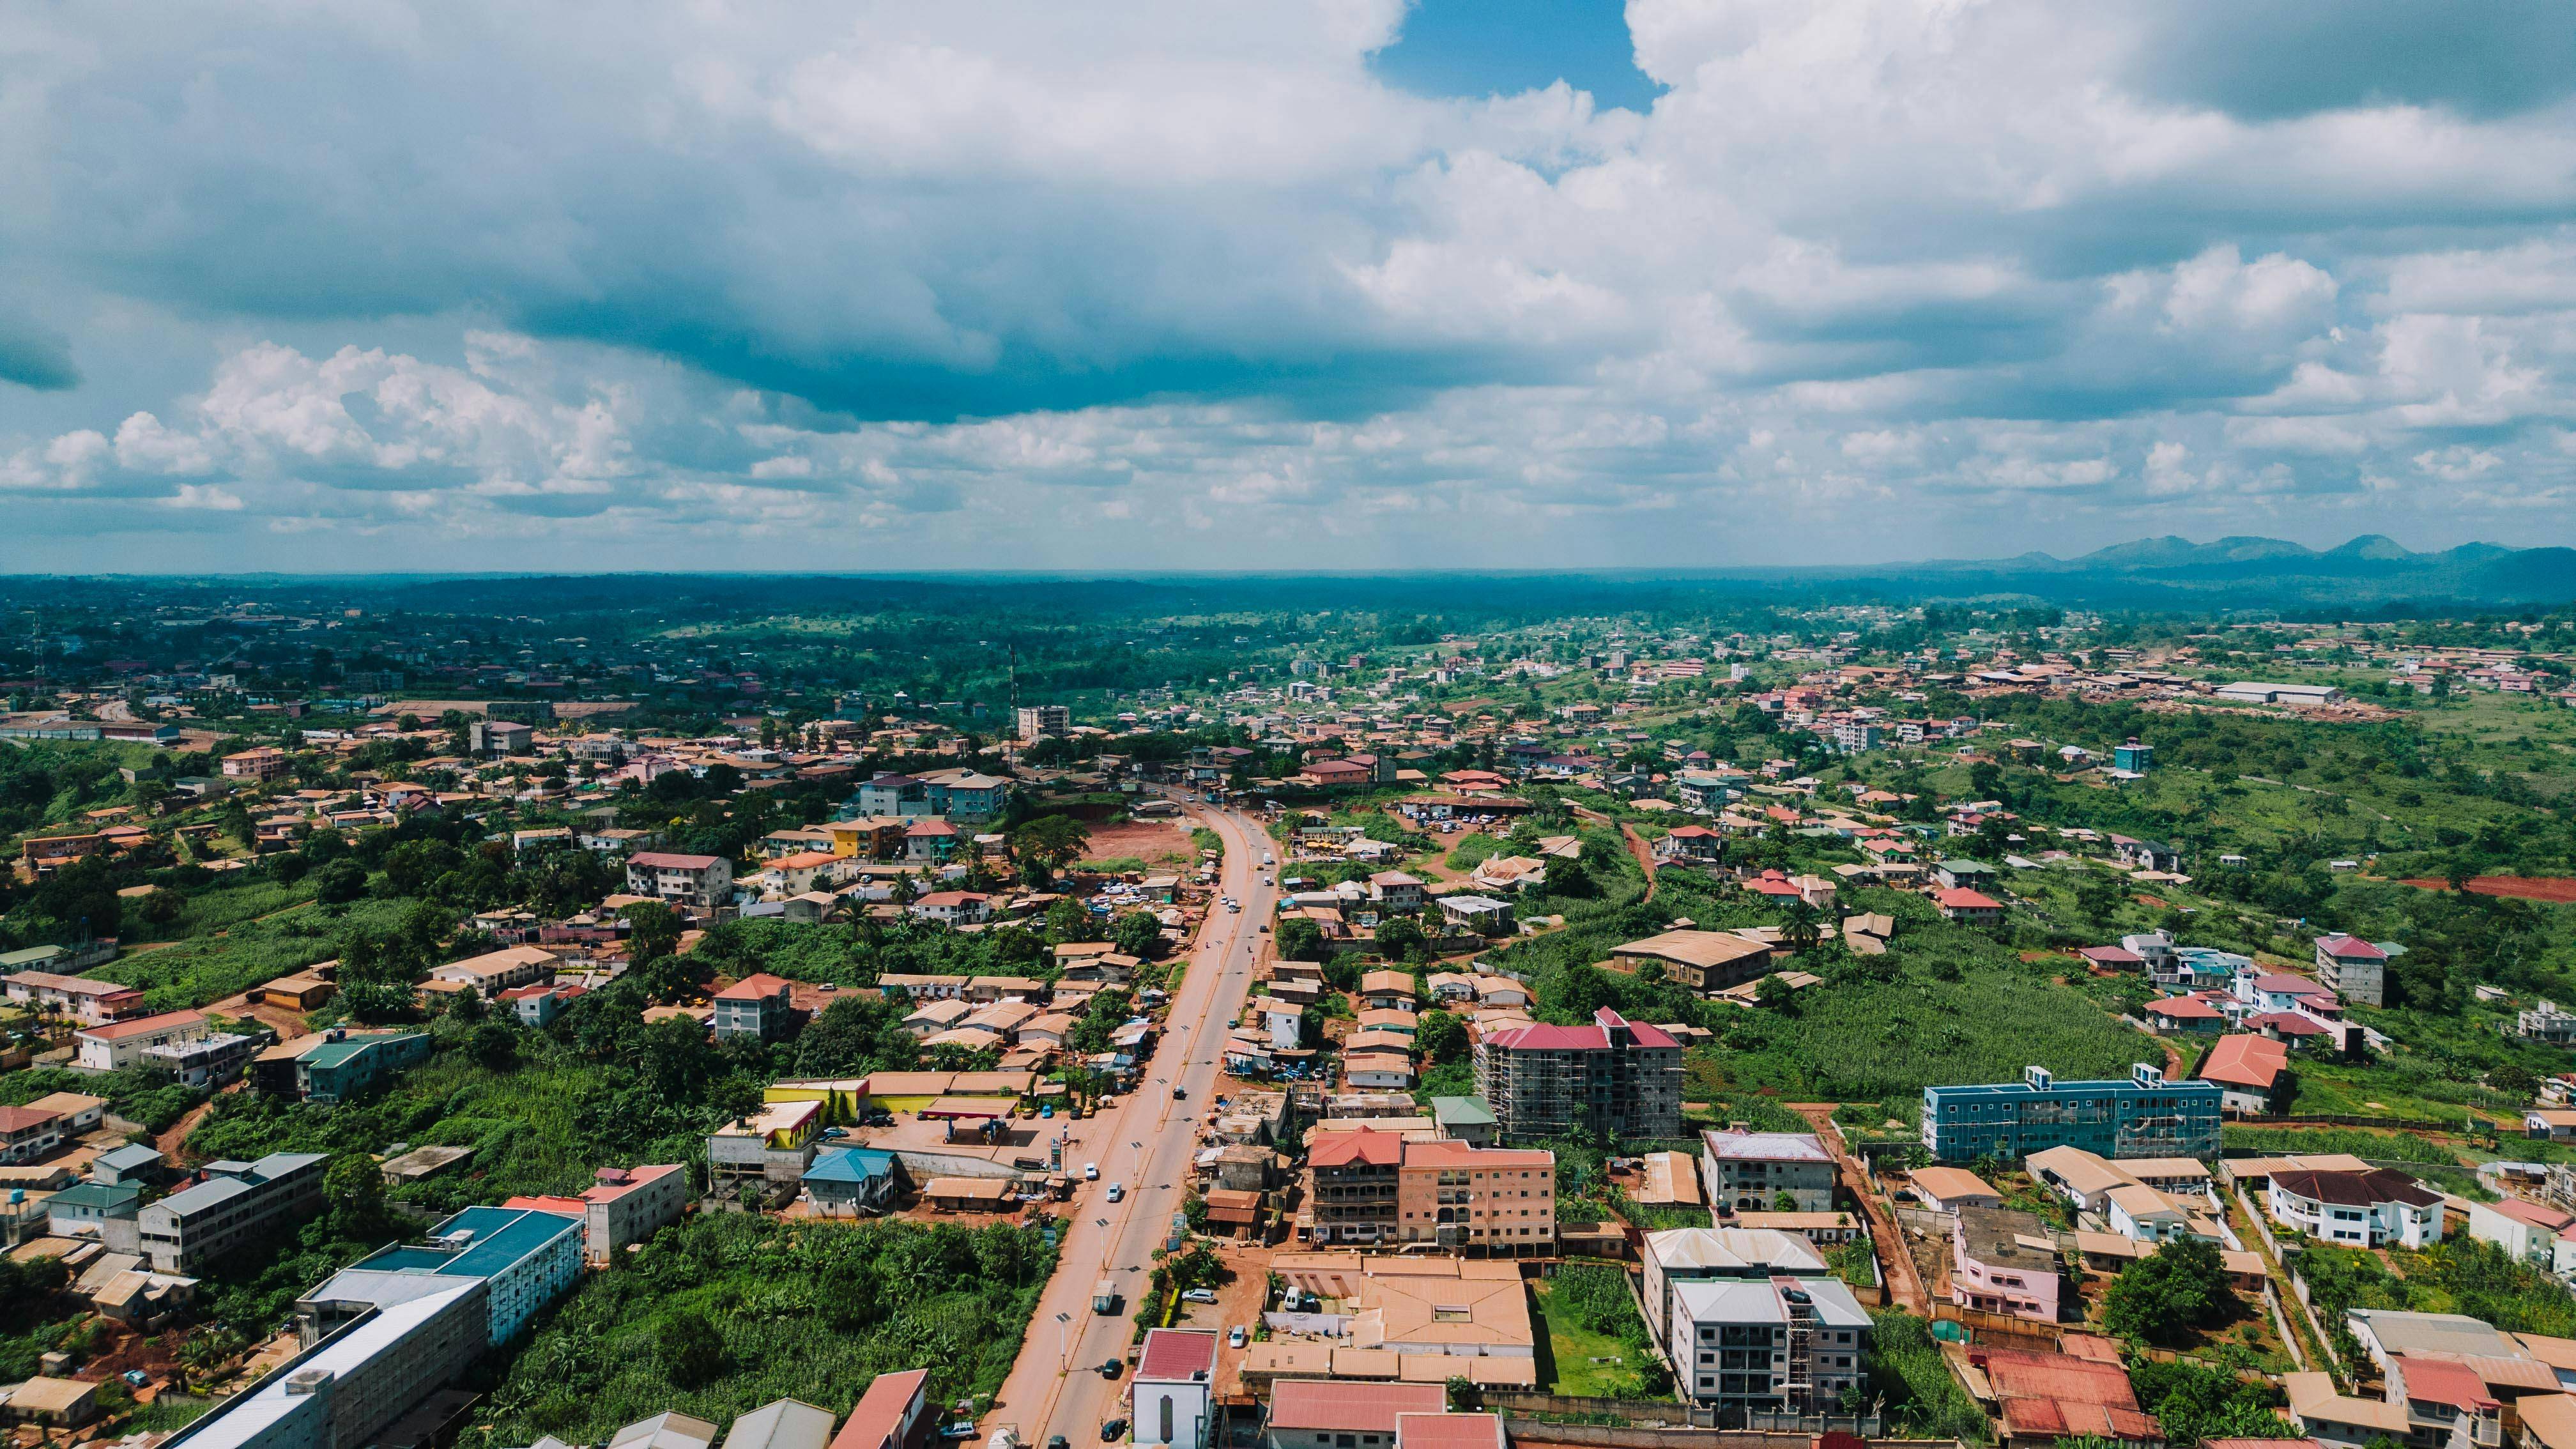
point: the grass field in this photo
(1586, 1364)
(206, 969)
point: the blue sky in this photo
(369, 284)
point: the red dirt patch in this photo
(1154, 842)
(2559, 889)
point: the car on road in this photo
(1234, 907)
(1113, 1431)
(1117, 1191)
(1091, 1172)
(1199, 1295)
(1112, 1367)
(962, 1429)
(1180, 1094)
(1235, 1337)
(1058, 1441)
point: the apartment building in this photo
(525, 1259)
(2004, 1261)
(1379, 1186)
(700, 881)
(1747, 1171)
(2143, 1116)
(375, 1368)
(91, 1003)
(624, 1206)
(756, 1008)
(1685, 1255)
(2353, 968)
(494, 972)
(348, 1064)
(237, 1202)
(1613, 1076)
(263, 764)
(774, 1145)
(1769, 1345)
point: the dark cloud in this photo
(2275, 59)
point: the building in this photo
(1684, 1255)
(1701, 961)
(2527, 1230)
(1464, 1119)
(2352, 968)
(624, 1206)
(1747, 1171)
(29, 1133)
(1174, 1384)
(207, 1061)
(2252, 1073)
(115, 1045)
(263, 764)
(344, 1065)
(2132, 756)
(525, 1258)
(499, 737)
(774, 1145)
(1614, 1076)
(2362, 1209)
(494, 972)
(90, 1003)
(701, 881)
(1044, 721)
(850, 1180)
(755, 1008)
(2042, 1399)
(1973, 907)
(1467, 1197)
(2144, 1116)
(342, 1391)
(2333, 1418)
(1770, 1345)
(236, 1203)
(1948, 1189)
(2547, 1023)
(893, 1414)
(2002, 1261)
(1396, 892)
(1342, 1414)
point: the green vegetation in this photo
(2463, 1275)
(136, 1094)
(1923, 1400)
(2168, 1298)
(729, 1311)
(2196, 1401)
(1596, 1336)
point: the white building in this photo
(1768, 1344)
(2359, 1209)
(1174, 1380)
(114, 1046)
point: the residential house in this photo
(894, 1413)
(1752, 1171)
(850, 1180)
(756, 1008)
(2252, 1073)
(1175, 1387)
(1948, 1189)
(87, 1002)
(2003, 1261)
(773, 1145)
(344, 1064)
(114, 1046)
(494, 972)
(1344, 1414)
(1972, 907)
(1701, 961)
(1396, 893)
(2363, 1209)
(703, 882)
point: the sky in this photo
(372, 285)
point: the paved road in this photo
(1055, 1387)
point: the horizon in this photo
(1342, 288)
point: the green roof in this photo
(98, 1197)
(32, 956)
(338, 1053)
(1461, 1112)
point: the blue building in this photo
(2132, 756)
(525, 1258)
(853, 1179)
(2144, 1116)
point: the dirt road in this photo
(1895, 1260)
(1055, 1386)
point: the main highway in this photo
(1145, 1141)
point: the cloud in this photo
(1192, 283)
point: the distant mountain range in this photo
(2371, 570)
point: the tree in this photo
(1300, 939)
(340, 882)
(1137, 933)
(1441, 1037)
(688, 1349)
(1777, 994)
(495, 1046)
(1805, 925)
(354, 1187)
(1401, 938)
(1048, 843)
(2161, 1299)
(653, 928)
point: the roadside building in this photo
(1613, 1076)
(1175, 1385)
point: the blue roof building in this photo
(2143, 1116)
(526, 1258)
(848, 1179)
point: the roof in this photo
(850, 1164)
(758, 987)
(2350, 948)
(2356, 1189)
(1733, 1250)
(2401, 1331)
(669, 1429)
(1543, 1037)
(879, 1412)
(1950, 1184)
(1732, 1146)
(1758, 1300)
(1960, 898)
(1451, 1431)
(665, 860)
(1311, 1404)
(2549, 1420)
(1363, 1146)
(1703, 949)
(1461, 1112)
(781, 1424)
(249, 1419)
(2059, 1396)
(2520, 1210)
(2313, 1396)
(2442, 1381)
(1174, 1355)
(2245, 1061)
(142, 1025)
(2183, 1008)
(496, 963)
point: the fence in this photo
(2465, 1123)
(1607, 1436)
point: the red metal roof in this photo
(1346, 1406)
(141, 1025)
(2245, 1061)
(878, 1415)
(1174, 1355)
(753, 988)
(2183, 1008)
(1448, 1431)
(2350, 948)
(664, 860)
(1960, 898)
(2441, 1381)
(1365, 1145)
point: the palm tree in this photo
(1805, 926)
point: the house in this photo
(263, 764)
(2527, 1230)
(1973, 907)
(2042, 1398)
(344, 1064)
(1752, 1171)
(930, 841)
(1378, 1070)
(1174, 1386)
(2089, 1182)
(953, 908)
(1948, 1189)
(539, 1005)
(774, 1145)
(2364, 1209)
(1395, 892)
(756, 1008)
(1614, 1076)
(2252, 1073)
(893, 1414)
(1968, 875)
(1682, 1255)
(114, 1046)
(852, 1180)
(1701, 961)
(234, 1203)
(1481, 914)
(53, 1403)
(1324, 1413)
(2355, 969)
(29, 1133)
(1387, 990)
(88, 1002)
(1768, 1344)
(2184, 1016)
(700, 881)
(781, 1424)
(2550, 1124)
(494, 972)
(2004, 1261)
(2333, 1418)
(2143, 1116)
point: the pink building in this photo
(2003, 1261)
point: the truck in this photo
(1104, 1298)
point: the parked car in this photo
(1235, 1337)
(1113, 1431)
(1199, 1295)
(962, 1429)
(1111, 1368)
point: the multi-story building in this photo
(2004, 1261)
(2359, 1209)
(1613, 1076)
(377, 1365)
(1175, 1382)
(499, 737)
(774, 1145)
(1485, 1198)
(1769, 1345)
(206, 1061)
(525, 1259)
(264, 763)
(1351, 1197)
(2143, 1116)
(237, 1202)
(91, 1003)
(2355, 969)
(702, 881)
(1748, 1171)
(1042, 721)
(1682, 1255)
(754, 1009)
(630, 1206)
(348, 1064)
(29, 1133)
(113, 1046)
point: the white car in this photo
(1117, 1191)
(1091, 1172)
(1199, 1295)
(1235, 1337)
